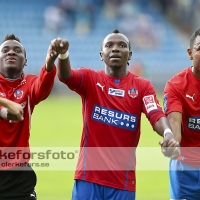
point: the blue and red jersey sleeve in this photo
(150, 105)
(171, 100)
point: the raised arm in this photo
(64, 68)
(42, 85)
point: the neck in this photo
(116, 71)
(196, 72)
(11, 76)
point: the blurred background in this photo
(159, 32)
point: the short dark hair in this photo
(117, 31)
(193, 37)
(13, 37)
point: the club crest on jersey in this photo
(133, 92)
(149, 103)
(116, 92)
(18, 94)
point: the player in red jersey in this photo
(17, 181)
(112, 102)
(182, 107)
(12, 107)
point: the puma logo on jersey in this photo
(191, 97)
(98, 84)
(33, 195)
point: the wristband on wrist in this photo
(3, 112)
(167, 130)
(64, 55)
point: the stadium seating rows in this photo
(26, 20)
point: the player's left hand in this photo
(170, 147)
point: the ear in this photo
(189, 51)
(25, 63)
(130, 55)
(101, 55)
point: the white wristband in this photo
(167, 130)
(3, 112)
(64, 55)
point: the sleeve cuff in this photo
(53, 69)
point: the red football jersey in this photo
(27, 91)
(181, 94)
(111, 109)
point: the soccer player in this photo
(112, 102)
(17, 181)
(181, 105)
(12, 107)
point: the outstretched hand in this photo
(57, 46)
(170, 147)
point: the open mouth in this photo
(115, 56)
(11, 59)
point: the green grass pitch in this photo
(57, 122)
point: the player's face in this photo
(115, 51)
(194, 54)
(12, 59)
